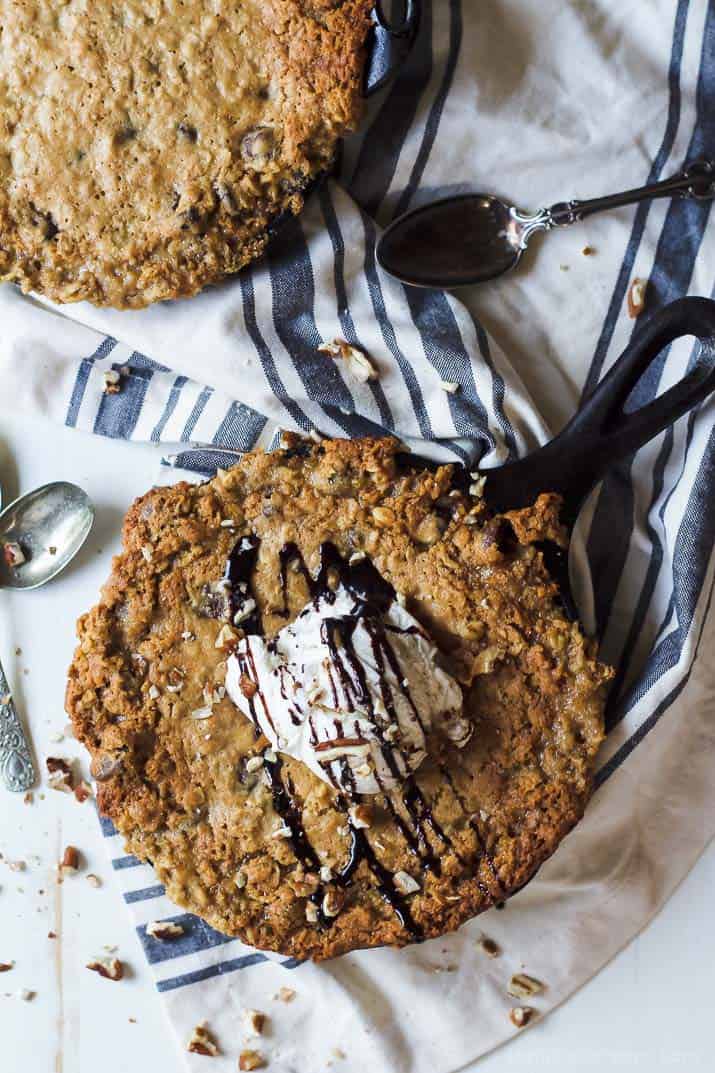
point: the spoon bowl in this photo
(50, 525)
(453, 242)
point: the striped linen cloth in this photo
(547, 101)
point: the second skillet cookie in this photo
(146, 148)
(344, 826)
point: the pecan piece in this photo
(521, 1015)
(82, 791)
(248, 1060)
(13, 554)
(333, 902)
(489, 947)
(164, 930)
(360, 816)
(254, 1022)
(248, 687)
(523, 986)
(109, 968)
(405, 883)
(339, 743)
(636, 297)
(202, 1042)
(69, 864)
(60, 774)
(104, 766)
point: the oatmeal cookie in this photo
(146, 148)
(254, 841)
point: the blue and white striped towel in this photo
(556, 99)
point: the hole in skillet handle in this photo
(603, 432)
(390, 41)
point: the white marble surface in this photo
(649, 1009)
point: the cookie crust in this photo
(146, 150)
(182, 791)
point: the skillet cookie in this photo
(149, 148)
(333, 700)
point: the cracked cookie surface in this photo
(146, 148)
(193, 790)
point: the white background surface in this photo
(650, 1009)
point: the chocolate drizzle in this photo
(240, 566)
(421, 813)
(294, 709)
(239, 570)
(373, 596)
(362, 579)
(248, 671)
(286, 807)
(337, 636)
(383, 652)
(360, 850)
(481, 843)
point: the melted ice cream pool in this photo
(349, 689)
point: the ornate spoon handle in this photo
(16, 765)
(696, 181)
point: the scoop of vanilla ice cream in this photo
(348, 690)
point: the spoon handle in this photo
(16, 765)
(697, 181)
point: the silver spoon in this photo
(49, 526)
(472, 238)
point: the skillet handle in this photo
(603, 432)
(389, 43)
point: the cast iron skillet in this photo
(605, 430)
(389, 43)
